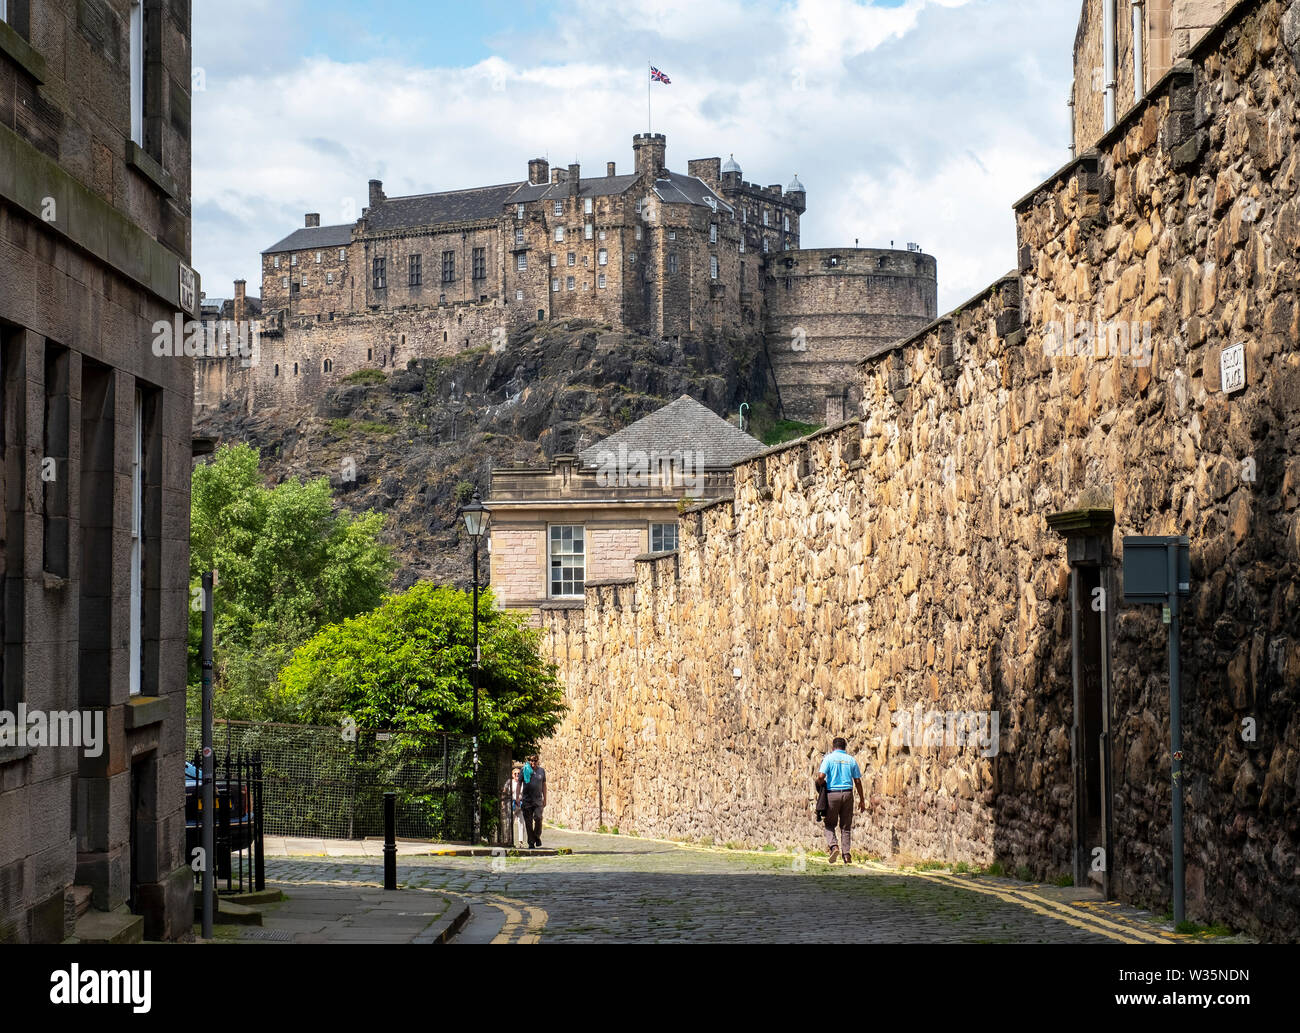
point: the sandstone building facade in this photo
(94, 544)
(934, 555)
(662, 252)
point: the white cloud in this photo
(921, 122)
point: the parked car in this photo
(233, 802)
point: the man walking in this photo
(533, 799)
(841, 775)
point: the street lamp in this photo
(476, 518)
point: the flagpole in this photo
(647, 97)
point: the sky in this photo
(906, 120)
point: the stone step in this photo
(81, 897)
(229, 913)
(118, 926)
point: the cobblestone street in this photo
(622, 889)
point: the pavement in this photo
(612, 888)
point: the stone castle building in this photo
(94, 536)
(651, 249)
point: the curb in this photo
(446, 927)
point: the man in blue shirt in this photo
(841, 775)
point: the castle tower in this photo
(650, 152)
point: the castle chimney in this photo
(313, 219)
(649, 151)
(574, 178)
(241, 303)
(558, 175)
(609, 168)
(376, 192)
(538, 171)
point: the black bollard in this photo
(390, 841)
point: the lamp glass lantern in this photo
(476, 517)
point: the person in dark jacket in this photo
(533, 800)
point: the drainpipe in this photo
(1139, 82)
(1073, 145)
(1108, 47)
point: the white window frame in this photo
(319, 255)
(672, 262)
(555, 285)
(293, 259)
(521, 264)
(586, 206)
(559, 234)
(713, 267)
(135, 633)
(329, 277)
(519, 212)
(742, 245)
(765, 247)
(519, 236)
(275, 261)
(601, 235)
(555, 260)
(631, 259)
(519, 294)
(588, 231)
(713, 233)
(638, 233)
(137, 72)
(570, 283)
(672, 234)
(559, 208)
(600, 281)
(284, 282)
(343, 254)
(573, 259)
(552, 554)
(602, 257)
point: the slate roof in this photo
(679, 189)
(309, 237)
(598, 186)
(396, 213)
(683, 425)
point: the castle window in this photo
(568, 560)
(370, 354)
(480, 263)
(587, 231)
(568, 283)
(600, 281)
(325, 366)
(319, 256)
(764, 216)
(559, 233)
(329, 277)
(343, 254)
(835, 260)
(137, 72)
(555, 260)
(672, 262)
(713, 267)
(638, 233)
(519, 237)
(765, 244)
(276, 372)
(295, 369)
(444, 336)
(601, 234)
(519, 295)
(378, 274)
(442, 299)
(672, 234)
(663, 537)
(276, 260)
(448, 266)
(519, 211)
(521, 263)
(631, 259)
(742, 245)
(284, 282)
(293, 259)
(744, 215)
(559, 207)
(586, 206)
(742, 276)
(787, 224)
(555, 285)
(573, 259)
(414, 271)
(713, 233)
(602, 257)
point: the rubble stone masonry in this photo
(902, 562)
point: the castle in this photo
(651, 250)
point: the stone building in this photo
(586, 518)
(651, 249)
(94, 246)
(1124, 47)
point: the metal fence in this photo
(330, 783)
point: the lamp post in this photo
(476, 518)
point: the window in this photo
(663, 537)
(744, 215)
(519, 237)
(559, 233)
(295, 369)
(480, 263)
(555, 260)
(276, 261)
(277, 370)
(568, 560)
(519, 211)
(569, 283)
(764, 216)
(713, 233)
(413, 276)
(293, 259)
(519, 295)
(600, 281)
(787, 224)
(284, 282)
(573, 259)
(588, 230)
(343, 254)
(638, 233)
(555, 285)
(672, 262)
(448, 266)
(631, 259)
(601, 234)
(378, 274)
(672, 234)
(742, 245)
(765, 245)
(137, 75)
(713, 267)
(319, 255)
(586, 206)
(329, 277)
(136, 628)
(559, 207)
(602, 257)
(742, 276)
(521, 263)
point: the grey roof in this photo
(395, 213)
(679, 189)
(795, 186)
(312, 237)
(597, 186)
(730, 165)
(681, 426)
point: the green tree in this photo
(287, 565)
(407, 666)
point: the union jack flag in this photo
(658, 76)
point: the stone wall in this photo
(903, 563)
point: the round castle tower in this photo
(830, 308)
